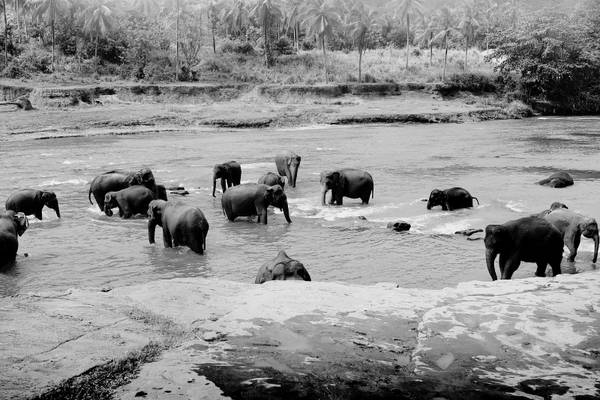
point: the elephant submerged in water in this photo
(272, 179)
(287, 165)
(182, 225)
(282, 268)
(254, 199)
(451, 199)
(116, 180)
(529, 239)
(559, 179)
(12, 225)
(31, 202)
(130, 201)
(230, 174)
(348, 182)
(572, 226)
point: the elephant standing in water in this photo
(12, 225)
(451, 199)
(282, 268)
(572, 225)
(30, 201)
(529, 239)
(272, 179)
(287, 165)
(559, 179)
(348, 182)
(230, 174)
(254, 199)
(182, 225)
(114, 181)
(130, 201)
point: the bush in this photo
(32, 59)
(469, 82)
(215, 65)
(283, 47)
(237, 48)
(416, 52)
(307, 45)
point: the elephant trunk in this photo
(429, 204)
(324, 193)
(151, 230)
(294, 175)
(596, 240)
(286, 212)
(490, 257)
(214, 186)
(57, 211)
(107, 210)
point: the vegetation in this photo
(544, 50)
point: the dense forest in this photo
(539, 48)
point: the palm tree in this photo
(425, 34)
(292, 19)
(321, 18)
(363, 20)
(98, 22)
(267, 12)
(50, 8)
(405, 9)
(5, 34)
(446, 28)
(468, 26)
(238, 16)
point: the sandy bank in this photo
(533, 338)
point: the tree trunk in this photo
(213, 39)
(466, 51)
(177, 42)
(5, 34)
(359, 64)
(324, 56)
(53, 18)
(96, 53)
(431, 48)
(445, 57)
(407, 37)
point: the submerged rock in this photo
(399, 226)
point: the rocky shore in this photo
(201, 338)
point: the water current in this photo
(498, 162)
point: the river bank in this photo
(529, 338)
(132, 108)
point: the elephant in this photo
(399, 226)
(559, 179)
(253, 199)
(130, 201)
(12, 225)
(572, 225)
(282, 268)
(529, 239)
(116, 180)
(230, 174)
(287, 165)
(554, 206)
(31, 201)
(451, 199)
(182, 225)
(272, 179)
(348, 182)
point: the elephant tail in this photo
(475, 198)
(373, 192)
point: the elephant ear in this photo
(48, 196)
(155, 210)
(269, 193)
(22, 223)
(336, 177)
(107, 198)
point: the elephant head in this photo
(161, 193)
(497, 239)
(436, 198)
(220, 171)
(291, 170)
(143, 177)
(330, 180)
(110, 202)
(589, 229)
(49, 199)
(155, 213)
(20, 220)
(275, 196)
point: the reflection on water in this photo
(498, 162)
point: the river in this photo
(497, 161)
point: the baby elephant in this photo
(182, 225)
(282, 268)
(347, 182)
(451, 199)
(12, 225)
(30, 201)
(572, 225)
(130, 201)
(272, 179)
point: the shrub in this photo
(416, 52)
(470, 82)
(237, 47)
(307, 45)
(283, 46)
(215, 65)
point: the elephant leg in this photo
(541, 269)
(339, 198)
(555, 264)
(38, 214)
(512, 264)
(446, 206)
(573, 245)
(167, 240)
(262, 216)
(502, 264)
(365, 198)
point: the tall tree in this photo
(50, 9)
(212, 12)
(426, 33)
(405, 9)
(468, 27)
(363, 21)
(321, 18)
(5, 34)
(98, 22)
(238, 17)
(267, 13)
(446, 28)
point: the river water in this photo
(497, 161)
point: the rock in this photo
(399, 226)
(141, 393)
(179, 192)
(559, 179)
(175, 188)
(468, 232)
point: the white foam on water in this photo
(450, 227)
(516, 206)
(93, 208)
(69, 162)
(312, 208)
(54, 182)
(261, 165)
(325, 148)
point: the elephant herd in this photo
(539, 238)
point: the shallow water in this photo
(498, 162)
